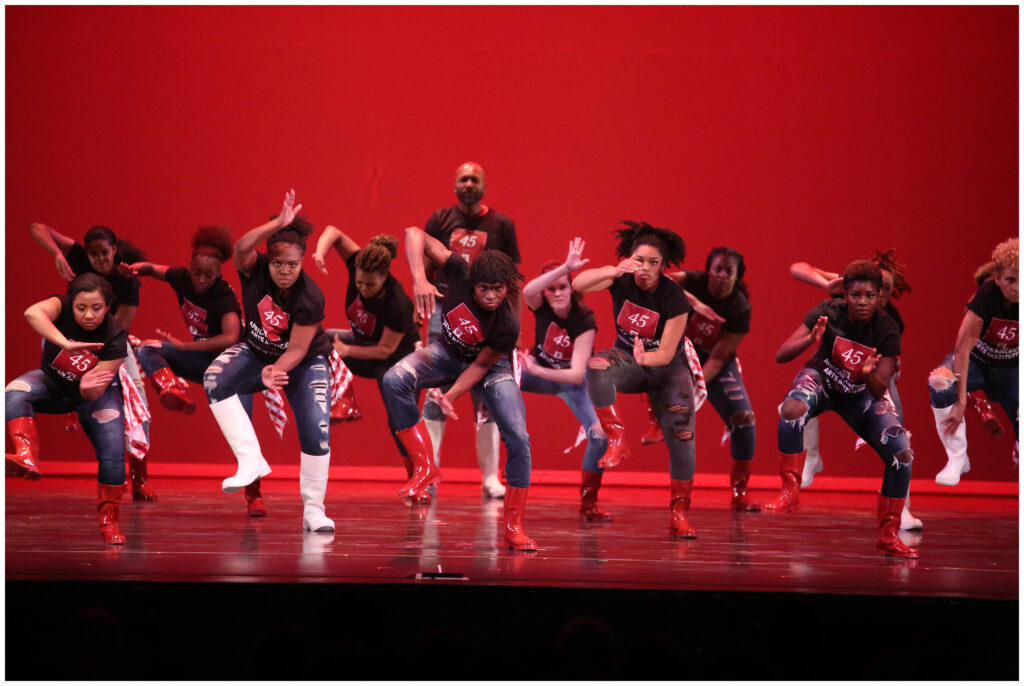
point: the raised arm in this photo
(41, 317)
(830, 281)
(156, 271)
(333, 237)
(245, 247)
(800, 340)
(533, 292)
(418, 244)
(231, 330)
(600, 278)
(55, 243)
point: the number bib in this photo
(272, 317)
(636, 320)
(1002, 333)
(850, 356)
(468, 244)
(464, 326)
(73, 366)
(195, 319)
(701, 331)
(557, 345)
(360, 318)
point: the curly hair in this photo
(124, 250)
(89, 282)
(377, 256)
(887, 262)
(984, 272)
(671, 246)
(555, 264)
(862, 270)
(295, 233)
(1006, 254)
(215, 241)
(494, 266)
(741, 268)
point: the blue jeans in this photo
(670, 389)
(102, 419)
(575, 396)
(874, 420)
(434, 366)
(236, 371)
(999, 383)
(728, 395)
(431, 410)
(188, 364)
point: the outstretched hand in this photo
(274, 378)
(425, 295)
(706, 311)
(318, 260)
(289, 209)
(574, 260)
(340, 346)
(871, 363)
(819, 329)
(638, 350)
(176, 342)
(127, 270)
(63, 268)
(954, 418)
(94, 379)
(627, 266)
(80, 346)
(446, 406)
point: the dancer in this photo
(894, 285)
(563, 344)
(468, 228)
(99, 253)
(378, 310)
(212, 315)
(849, 373)
(479, 332)
(84, 347)
(650, 313)
(720, 320)
(985, 357)
(284, 347)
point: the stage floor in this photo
(969, 546)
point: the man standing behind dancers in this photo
(467, 228)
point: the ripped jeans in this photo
(236, 371)
(102, 419)
(728, 395)
(575, 396)
(670, 389)
(999, 383)
(435, 366)
(874, 420)
(188, 364)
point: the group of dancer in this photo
(676, 339)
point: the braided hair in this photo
(377, 256)
(494, 266)
(671, 246)
(887, 261)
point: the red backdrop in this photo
(800, 133)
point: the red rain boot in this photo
(680, 526)
(589, 486)
(738, 478)
(25, 460)
(989, 420)
(139, 472)
(791, 469)
(110, 500)
(172, 390)
(254, 500)
(889, 512)
(425, 473)
(345, 410)
(515, 508)
(654, 434)
(618, 449)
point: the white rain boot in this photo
(956, 449)
(313, 470)
(909, 522)
(487, 455)
(238, 431)
(435, 428)
(812, 463)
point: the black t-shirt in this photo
(468, 236)
(202, 312)
(890, 309)
(997, 345)
(644, 313)
(67, 368)
(556, 337)
(270, 315)
(466, 328)
(845, 346)
(391, 308)
(734, 308)
(126, 288)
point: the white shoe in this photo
(909, 522)
(313, 472)
(955, 444)
(237, 429)
(812, 465)
(487, 455)
(435, 429)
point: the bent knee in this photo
(598, 362)
(18, 385)
(742, 419)
(904, 457)
(941, 379)
(793, 409)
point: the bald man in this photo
(467, 228)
